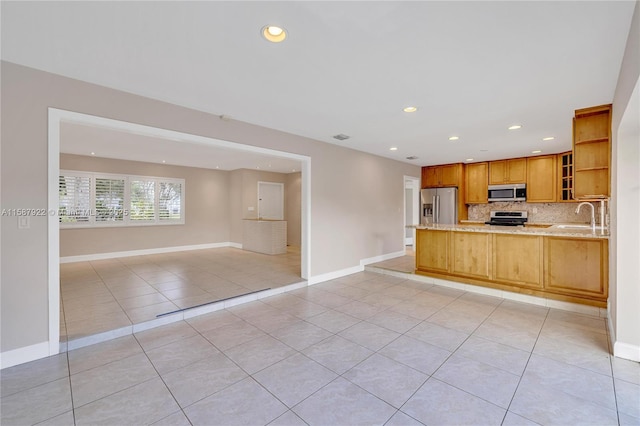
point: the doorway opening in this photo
(411, 208)
(57, 118)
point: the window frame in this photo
(126, 220)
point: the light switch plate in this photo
(251, 208)
(24, 222)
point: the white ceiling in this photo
(473, 68)
(109, 143)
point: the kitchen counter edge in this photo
(518, 230)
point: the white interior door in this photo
(271, 200)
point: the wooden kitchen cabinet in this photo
(470, 254)
(592, 152)
(565, 177)
(564, 268)
(517, 259)
(448, 175)
(542, 179)
(577, 266)
(508, 171)
(476, 182)
(434, 252)
(441, 176)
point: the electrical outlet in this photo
(535, 210)
(252, 208)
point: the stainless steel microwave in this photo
(512, 192)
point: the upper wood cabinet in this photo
(592, 152)
(565, 177)
(508, 171)
(541, 179)
(440, 176)
(476, 179)
(444, 176)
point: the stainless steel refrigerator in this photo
(439, 205)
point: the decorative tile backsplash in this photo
(544, 212)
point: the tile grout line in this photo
(162, 379)
(524, 371)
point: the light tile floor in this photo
(363, 349)
(104, 295)
(406, 263)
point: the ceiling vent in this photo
(341, 137)
(413, 157)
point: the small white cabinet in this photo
(264, 236)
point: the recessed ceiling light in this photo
(537, 151)
(548, 138)
(410, 109)
(453, 138)
(163, 161)
(469, 159)
(93, 153)
(515, 127)
(293, 170)
(393, 148)
(274, 33)
(217, 167)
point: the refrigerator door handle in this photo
(437, 208)
(434, 209)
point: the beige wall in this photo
(235, 206)
(206, 208)
(624, 245)
(356, 198)
(250, 179)
(245, 195)
(293, 213)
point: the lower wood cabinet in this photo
(577, 266)
(559, 267)
(517, 259)
(470, 253)
(434, 253)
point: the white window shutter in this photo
(74, 199)
(109, 200)
(170, 201)
(142, 200)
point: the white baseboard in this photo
(335, 274)
(354, 269)
(25, 354)
(381, 258)
(621, 349)
(142, 252)
(626, 351)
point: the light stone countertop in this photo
(554, 230)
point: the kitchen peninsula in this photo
(562, 262)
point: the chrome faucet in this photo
(593, 214)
